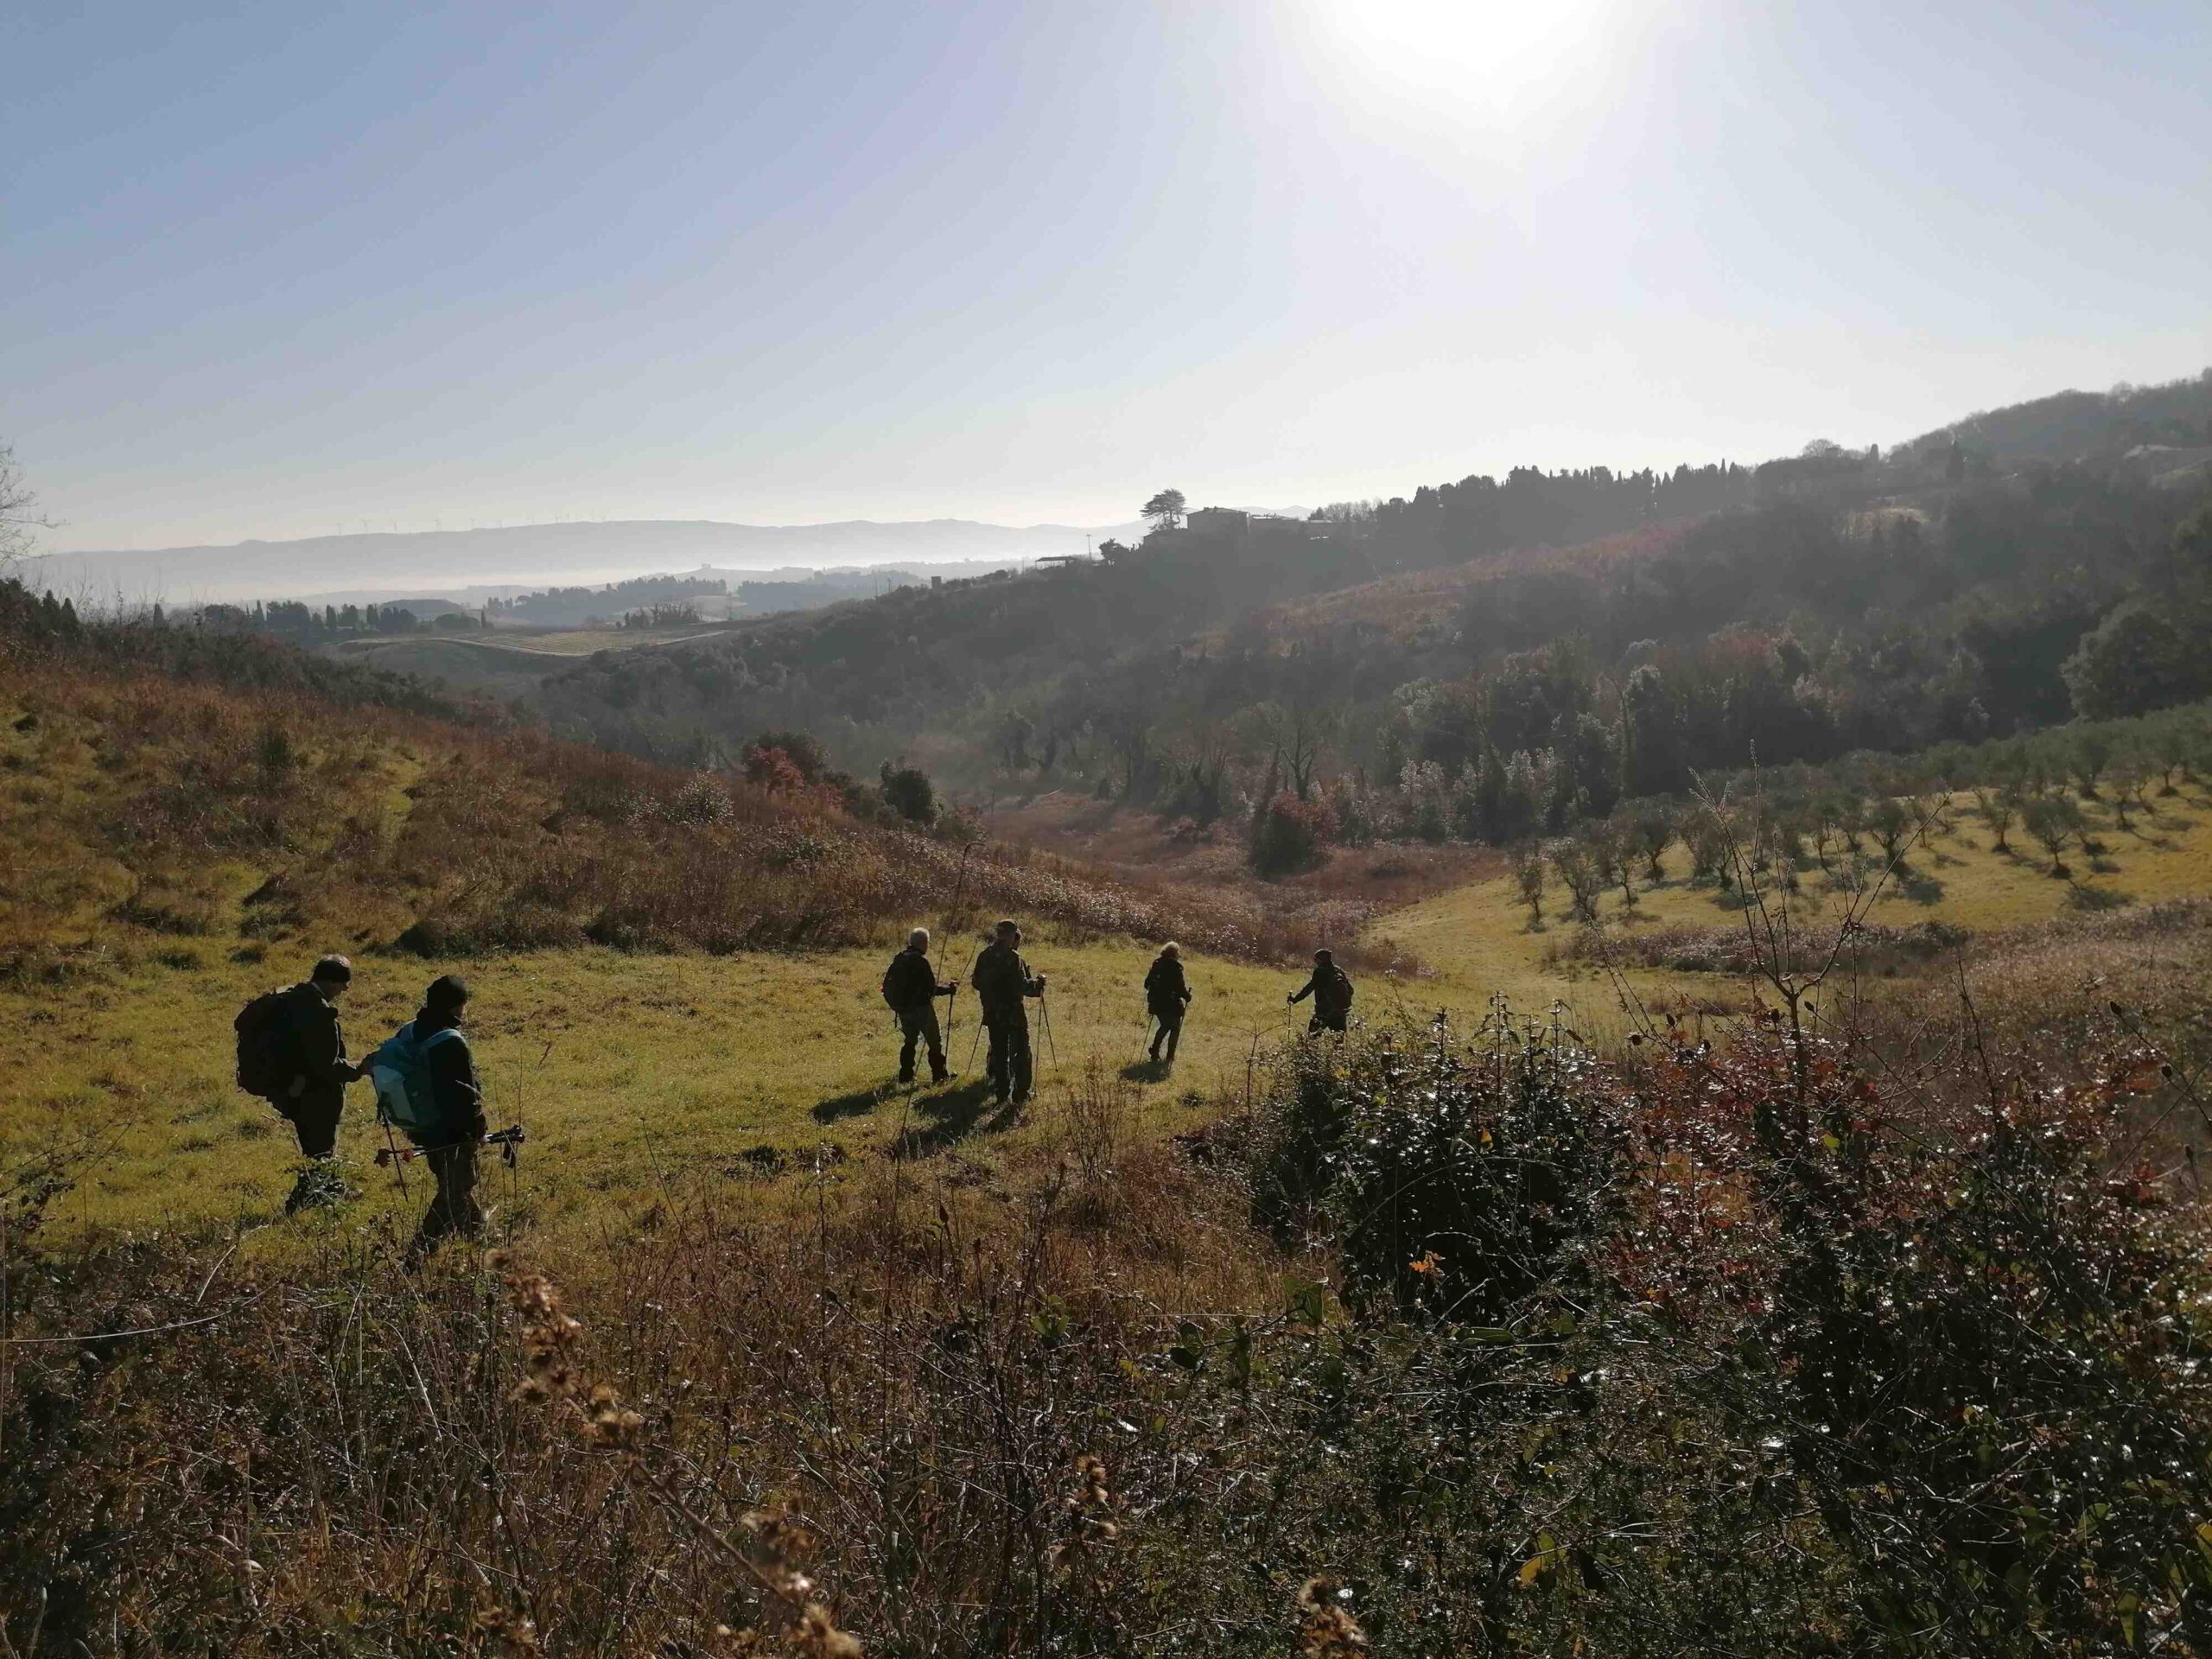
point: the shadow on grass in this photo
(2086, 895)
(1917, 885)
(852, 1105)
(948, 1116)
(1148, 1071)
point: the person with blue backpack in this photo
(428, 1089)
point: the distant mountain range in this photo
(475, 564)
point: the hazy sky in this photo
(272, 269)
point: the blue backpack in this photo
(400, 1068)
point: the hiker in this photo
(1331, 989)
(1002, 980)
(302, 1060)
(912, 988)
(455, 1131)
(1167, 994)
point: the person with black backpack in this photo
(1331, 989)
(292, 1054)
(1166, 995)
(912, 988)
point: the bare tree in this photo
(1297, 732)
(19, 516)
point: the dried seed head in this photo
(1326, 1629)
(818, 1636)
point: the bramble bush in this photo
(1895, 1369)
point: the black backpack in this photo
(908, 982)
(265, 1047)
(1339, 1001)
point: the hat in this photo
(1006, 926)
(446, 991)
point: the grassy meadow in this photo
(630, 1072)
(165, 873)
(672, 976)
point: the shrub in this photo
(1291, 835)
(1456, 1179)
(1884, 1370)
(907, 790)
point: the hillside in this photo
(185, 829)
(2079, 425)
(1212, 666)
(1574, 1332)
(1537, 1307)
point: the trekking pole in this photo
(1045, 1010)
(972, 1042)
(507, 1138)
(399, 1164)
(961, 887)
(951, 1001)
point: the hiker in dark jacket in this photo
(452, 1143)
(1003, 981)
(314, 1045)
(912, 988)
(1331, 989)
(1167, 994)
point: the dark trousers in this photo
(453, 1208)
(313, 1118)
(1011, 1066)
(1321, 1022)
(1169, 1031)
(919, 1025)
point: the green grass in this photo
(631, 1070)
(1478, 940)
(628, 1070)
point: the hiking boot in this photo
(905, 1077)
(314, 1195)
(938, 1076)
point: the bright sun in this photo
(1504, 54)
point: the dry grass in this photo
(382, 827)
(883, 1379)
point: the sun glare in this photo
(1487, 56)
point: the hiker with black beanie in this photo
(450, 1144)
